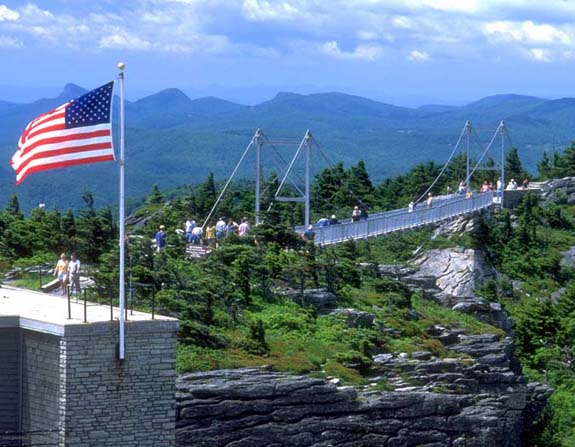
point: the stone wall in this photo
(64, 385)
(9, 380)
(108, 403)
(40, 382)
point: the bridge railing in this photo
(402, 219)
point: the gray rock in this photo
(321, 299)
(355, 318)
(421, 355)
(456, 272)
(491, 313)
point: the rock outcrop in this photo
(477, 401)
(455, 272)
(475, 397)
(558, 190)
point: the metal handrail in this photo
(403, 219)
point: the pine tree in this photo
(513, 168)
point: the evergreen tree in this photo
(513, 168)
(13, 207)
(359, 185)
(544, 166)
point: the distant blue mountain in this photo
(171, 139)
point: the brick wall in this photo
(9, 380)
(105, 402)
(40, 383)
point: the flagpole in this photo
(121, 350)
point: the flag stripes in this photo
(75, 133)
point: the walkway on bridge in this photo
(444, 208)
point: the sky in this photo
(408, 52)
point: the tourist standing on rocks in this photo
(190, 225)
(61, 270)
(231, 227)
(197, 234)
(74, 273)
(160, 238)
(210, 234)
(244, 227)
(220, 230)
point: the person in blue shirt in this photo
(160, 238)
(323, 222)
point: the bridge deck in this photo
(444, 207)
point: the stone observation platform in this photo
(63, 384)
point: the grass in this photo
(301, 342)
(31, 281)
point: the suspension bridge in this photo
(419, 213)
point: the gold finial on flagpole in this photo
(121, 66)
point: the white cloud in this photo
(449, 5)
(367, 35)
(539, 55)
(7, 14)
(342, 29)
(402, 22)
(527, 31)
(361, 52)
(264, 10)
(418, 56)
(10, 42)
(124, 40)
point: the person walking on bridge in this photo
(309, 234)
(429, 200)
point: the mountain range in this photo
(173, 140)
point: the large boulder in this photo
(457, 272)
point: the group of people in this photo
(68, 273)
(428, 203)
(214, 234)
(325, 221)
(512, 185)
(359, 213)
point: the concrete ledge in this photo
(20, 308)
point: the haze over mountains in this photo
(172, 140)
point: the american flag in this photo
(77, 132)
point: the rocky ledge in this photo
(477, 399)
